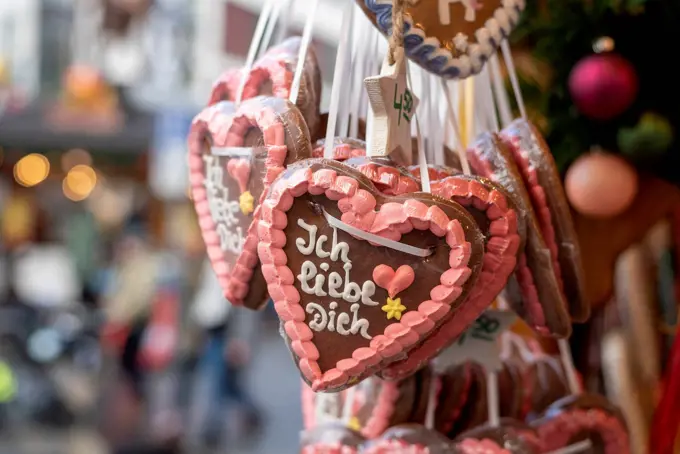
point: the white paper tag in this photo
(393, 105)
(480, 342)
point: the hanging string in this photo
(397, 37)
(348, 405)
(488, 95)
(451, 114)
(340, 62)
(302, 54)
(432, 400)
(581, 446)
(422, 160)
(501, 95)
(254, 46)
(359, 74)
(569, 369)
(350, 69)
(492, 402)
(376, 239)
(510, 64)
(271, 26)
(284, 23)
(425, 111)
(371, 63)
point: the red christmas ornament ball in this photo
(603, 85)
(601, 185)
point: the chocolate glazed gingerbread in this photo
(272, 75)
(544, 184)
(584, 417)
(339, 338)
(542, 302)
(270, 134)
(409, 438)
(509, 438)
(330, 438)
(497, 216)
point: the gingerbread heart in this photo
(535, 295)
(272, 75)
(330, 438)
(319, 217)
(411, 439)
(544, 185)
(510, 437)
(377, 405)
(258, 139)
(455, 386)
(590, 417)
(450, 38)
(496, 214)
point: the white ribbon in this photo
(232, 152)
(396, 245)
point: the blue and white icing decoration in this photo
(428, 52)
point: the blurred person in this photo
(126, 305)
(226, 354)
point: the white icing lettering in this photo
(335, 285)
(300, 242)
(223, 210)
(337, 322)
(470, 6)
(319, 247)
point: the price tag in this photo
(480, 342)
(393, 106)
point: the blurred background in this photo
(99, 246)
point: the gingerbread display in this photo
(234, 155)
(365, 313)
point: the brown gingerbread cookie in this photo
(511, 437)
(536, 294)
(234, 156)
(347, 318)
(272, 75)
(409, 438)
(455, 385)
(425, 378)
(330, 438)
(544, 184)
(475, 410)
(575, 419)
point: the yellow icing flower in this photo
(354, 424)
(393, 308)
(247, 203)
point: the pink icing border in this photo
(391, 221)
(229, 130)
(500, 258)
(383, 411)
(395, 446)
(524, 275)
(271, 67)
(538, 198)
(328, 448)
(456, 411)
(556, 432)
(341, 152)
(486, 446)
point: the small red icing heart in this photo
(239, 169)
(393, 281)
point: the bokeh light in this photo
(31, 170)
(75, 157)
(79, 182)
